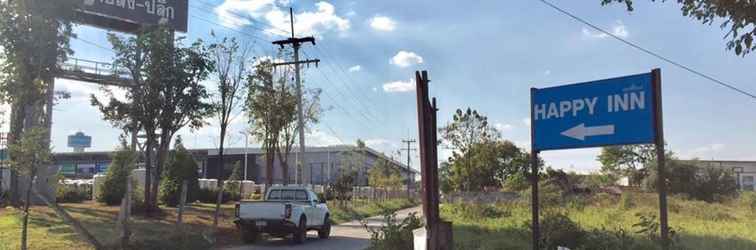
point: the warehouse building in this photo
(745, 171)
(323, 164)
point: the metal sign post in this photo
(660, 157)
(619, 111)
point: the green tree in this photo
(384, 176)
(113, 187)
(166, 95)
(480, 158)
(631, 161)
(738, 16)
(234, 187)
(486, 164)
(181, 167)
(30, 153)
(34, 37)
(230, 72)
(271, 106)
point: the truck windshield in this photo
(287, 195)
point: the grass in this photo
(43, 224)
(47, 231)
(699, 225)
(360, 209)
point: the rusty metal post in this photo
(439, 233)
(660, 157)
(536, 228)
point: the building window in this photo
(747, 183)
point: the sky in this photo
(485, 55)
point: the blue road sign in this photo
(598, 113)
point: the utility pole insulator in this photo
(296, 43)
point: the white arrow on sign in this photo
(580, 131)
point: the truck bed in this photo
(253, 210)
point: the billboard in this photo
(79, 140)
(617, 111)
(129, 15)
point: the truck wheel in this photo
(325, 230)
(299, 236)
(249, 235)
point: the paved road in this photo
(347, 236)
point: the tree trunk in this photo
(148, 173)
(162, 154)
(16, 126)
(220, 178)
(26, 212)
(284, 167)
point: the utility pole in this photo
(409, 149)
(296, 43)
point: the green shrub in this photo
(557, 229)
(206, 195)
(181, 167)
(394, 234)
(114, 186)
(474, 211)
(626, 201)
(618, 239)
(516, 182)
(73, 193)
(748, 199)
(710, 184)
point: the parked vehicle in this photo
(286, 210)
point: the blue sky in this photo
(480, 54)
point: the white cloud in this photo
(355, 68)
(399, 86)
(709, 148)
(81, 91)
(547, 72)
(319, 138)
(618, 29)
(382, 23)
(502, 127)
(237, 13)
(386, 146)
(405, 59)
(526, 121)
(307, 23)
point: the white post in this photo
(246, 145)
(328, 153)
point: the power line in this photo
(654, 54)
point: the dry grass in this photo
(49, 232)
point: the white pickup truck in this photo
(285, 210)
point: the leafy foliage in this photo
(30, 153)
(181, 167)
(738, 16)
(394, 234)
(383, 175)
(703, 183)
(166, 96)
(630, 160)
(73, 193)
(557, 229)
(113, 188)
(271, 105)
